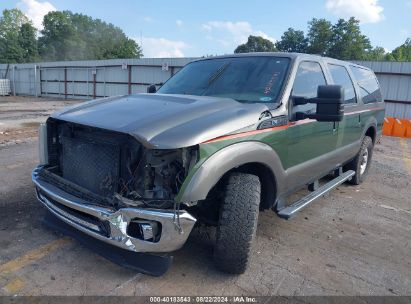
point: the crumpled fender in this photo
(230, 157)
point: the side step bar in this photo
(291, 210)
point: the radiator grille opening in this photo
(91, 164)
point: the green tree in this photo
(347, 41)
(10, 24)
(389, 57)
(292, 41)
(60, 40)
(319, 36)
(28, 43)
(69, 36)
(403, 52)
(376, 54)
(11, 21)
(256, 44)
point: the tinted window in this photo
(341, 77)
(246, 79)
(369, 88)
(309, 77)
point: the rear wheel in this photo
(361, 163)
(237, 222)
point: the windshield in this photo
(245, 79)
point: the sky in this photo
(184, 28)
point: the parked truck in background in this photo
(222, 140)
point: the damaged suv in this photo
(223, 139)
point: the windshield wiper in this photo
(218, 73)
(215, 76)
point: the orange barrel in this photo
(399, 128)
(388, 126)
(407, 123)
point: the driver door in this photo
(309, 141)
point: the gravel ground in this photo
(355, 241)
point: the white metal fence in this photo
(90, 79)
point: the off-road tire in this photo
(367, 147)
(237, 222)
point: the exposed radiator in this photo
(91, 164)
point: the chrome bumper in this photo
(116, 221)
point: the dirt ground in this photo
(20, 117)
(356, 241)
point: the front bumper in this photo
(109, 225)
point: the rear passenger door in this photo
(370, 97)
(349, 128)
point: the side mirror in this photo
(152, 89)
(330, 104)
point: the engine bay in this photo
(115, 167)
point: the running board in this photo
(289, 211)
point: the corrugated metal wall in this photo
(22, 78)
(90, 79)
(395, 81)
(97, 78)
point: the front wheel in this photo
(237, 222)
(361, 163)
